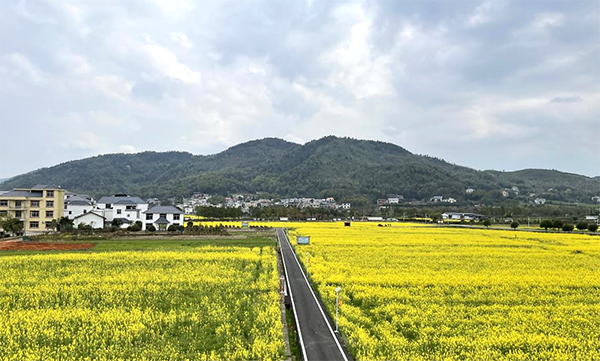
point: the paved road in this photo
(315, 329)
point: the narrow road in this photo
(315, 330)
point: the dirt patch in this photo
(43, 246)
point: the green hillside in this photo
(348, 169)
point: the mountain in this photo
(345, 168)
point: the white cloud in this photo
(166, 62)
(181, 39)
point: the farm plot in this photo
(421, 293)
(194, 302)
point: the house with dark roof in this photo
(76, 205)
(161, 217)
(129, 209)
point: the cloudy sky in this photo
(487, 84)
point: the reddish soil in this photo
(42, 246)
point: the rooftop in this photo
(121, 199)
(164, 209)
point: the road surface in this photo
(315, 330)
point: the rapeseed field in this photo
(200, 303)
(413, 292)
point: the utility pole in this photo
(337, 306)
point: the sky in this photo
(500, 85)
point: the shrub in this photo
(592, 227)
(568, 227)
(151, 228)
(514, 225)
(582, 226)
(135, 228)
(172, 228)
(487, 223)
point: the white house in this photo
(596, 199)
(470, 190)
(121, 206)
(91, 218)
(435, 199)
(393, 200)
(161, 217)
(77, 205)
(540, 201)
(343, 206)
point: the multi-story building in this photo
(76, 205)
(36, 207)
(123, 207)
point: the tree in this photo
(65, 224)
(557, 224)
(487, 223)
(117, 222)
(53, 224)
(582, 226)
(568, 227)
(546, 223)
(514, 225)
(593, 227)
(12, 225)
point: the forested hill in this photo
(347, 169)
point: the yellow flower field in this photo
(204, 303)
(412, 292)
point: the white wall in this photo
(90, 219)
(72, 211)
(156, 216)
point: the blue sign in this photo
(303, 239)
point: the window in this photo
(35, 214)
(3, 213)
(130, 207)
(3, 203)
(176, 217)
(17, 204)
(49, 214)
(35, 203)
(163, 215)
(149, 216)
(49, 194)
(34, 224)
(108, 206)
(49, 204)
(118, 211)
(70, 212)
(18, 214)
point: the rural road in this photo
(315, 330)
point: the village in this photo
(40, 208)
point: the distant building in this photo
(161, 217)
(382, 202)
(393, 200)
(343, 206)
(123, 207)
(596, 199)
(505, 193)
(457, 216)
(540, 201)
(76, 205)
(93, 219)
(36, 207)
(470, 190)
(436, 199)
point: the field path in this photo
(315, 329)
